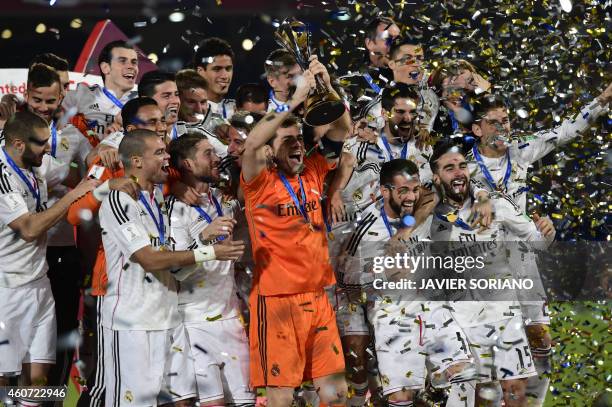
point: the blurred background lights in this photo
(176, 17)
(247, 44)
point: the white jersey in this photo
(135, 299)
(362, 189)
(368, 241)
(96, 106)
(509, 224)
(22, 262)
(51, 169)
(225, 108)
(524, 153)
(274, 103)
(208, 294)
(69, 146)
(408, 151)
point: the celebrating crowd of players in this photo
(223, 245)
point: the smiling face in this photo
(167, 98)
(154, 161)
(452, 176)
(407, 64)
(122, 71)
(35, 148)
(288, 149)
(402, 121)
(44, 101)
(218, 74)
(194, 104)
(149, 117)
(493, 129)
(205, 163)
(403, 194)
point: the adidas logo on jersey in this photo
(94, 107)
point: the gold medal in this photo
(164, 248)
(311, 227)
(451, 217)
(331, 236)
(358, 195)
(134, 178)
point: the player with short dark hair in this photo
(214, 60)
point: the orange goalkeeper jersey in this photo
(290, 256)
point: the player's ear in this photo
(271, 80)
(436, 179)
(188, 164)
(476, 129)
(385, 192)
(136, 161)
(200, 70)
(105, 68)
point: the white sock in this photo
(400, 403)
(537, 386)
(310, 396)
(462, 395)
(359, 392)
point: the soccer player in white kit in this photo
(281, 69)
(214, 61)
(28, 329)
(142, 326)
(67, 146)
(208, 302)
(118, 64)
(409, 334)
(501, 164)
(495, 329)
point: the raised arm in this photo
(253, 158)
(31, 226)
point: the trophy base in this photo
(324, 112)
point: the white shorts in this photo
(147, 368)
(28, 330)
(535, 312)
(221, 353)
(501, 350)
(413, 339)
(351, 315)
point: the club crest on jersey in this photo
(95, 107)
(65, 144)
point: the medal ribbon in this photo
(112, 98)
(159, 224)
(296, 201)
(34, 189)
(487, 173)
